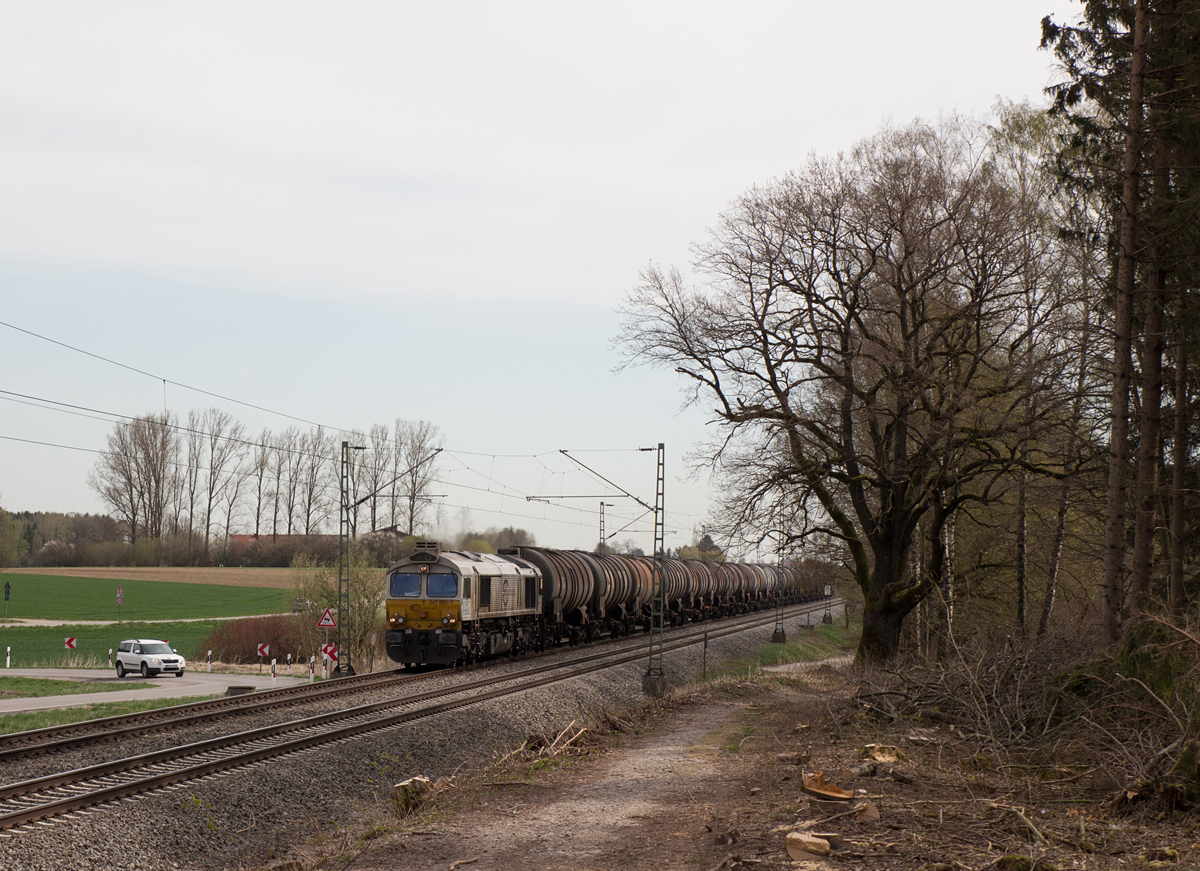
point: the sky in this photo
(352, 213)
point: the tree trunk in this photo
(1022, 551)
(1179, 453)
(1149, 432)
(1118, 464)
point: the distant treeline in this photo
(43, 539)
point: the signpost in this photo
(69, 644)
(120, 601)
(263, 650)
(330, 655)
(326, 622)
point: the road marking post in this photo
(210, 662)
(272, 673)
(110, 657)
(312, 669)
(8, 659)
(289, 665)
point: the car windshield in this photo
(443, 586)
(405, 585)
(156, 647)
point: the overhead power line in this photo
(165, 380)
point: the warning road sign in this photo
(264, 649)
(327, 621)
(70, 644)
(331, 651)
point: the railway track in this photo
(27, 803)
(53, 739)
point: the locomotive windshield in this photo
(443, 586)
(405, 585)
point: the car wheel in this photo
(145, 670)
(120, 669)
(179, 673)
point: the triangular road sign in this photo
(327, 621)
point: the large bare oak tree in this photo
(863, 344)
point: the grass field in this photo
(61, 716)
(36, 687)
(54, 597)
(42, 646)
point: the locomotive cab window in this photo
(405, 586)
(442, 586)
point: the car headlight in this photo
(155, 662)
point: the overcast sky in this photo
(350, 213)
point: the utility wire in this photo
(165, 380)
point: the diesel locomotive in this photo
(458, 606)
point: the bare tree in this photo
(316, 458)
(262, 487)
(287, 463)
(862, 340)
(194, 469)
(376, 464)
(416, 443)
(133, 476)
(224, 447)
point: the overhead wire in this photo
(87, 412)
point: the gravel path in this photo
(244, 819)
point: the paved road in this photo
(193, 683)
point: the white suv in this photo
(148, 656)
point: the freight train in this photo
(458, 606)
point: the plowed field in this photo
(229, 577)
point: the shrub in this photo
(236, 641)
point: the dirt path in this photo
(645, 807)
(710, 779)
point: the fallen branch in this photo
(551, 750)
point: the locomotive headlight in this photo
(399, 618)
(446, 620)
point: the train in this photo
(456, 607)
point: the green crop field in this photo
(42, 646)
(53, 597)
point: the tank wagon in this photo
(457, 606)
